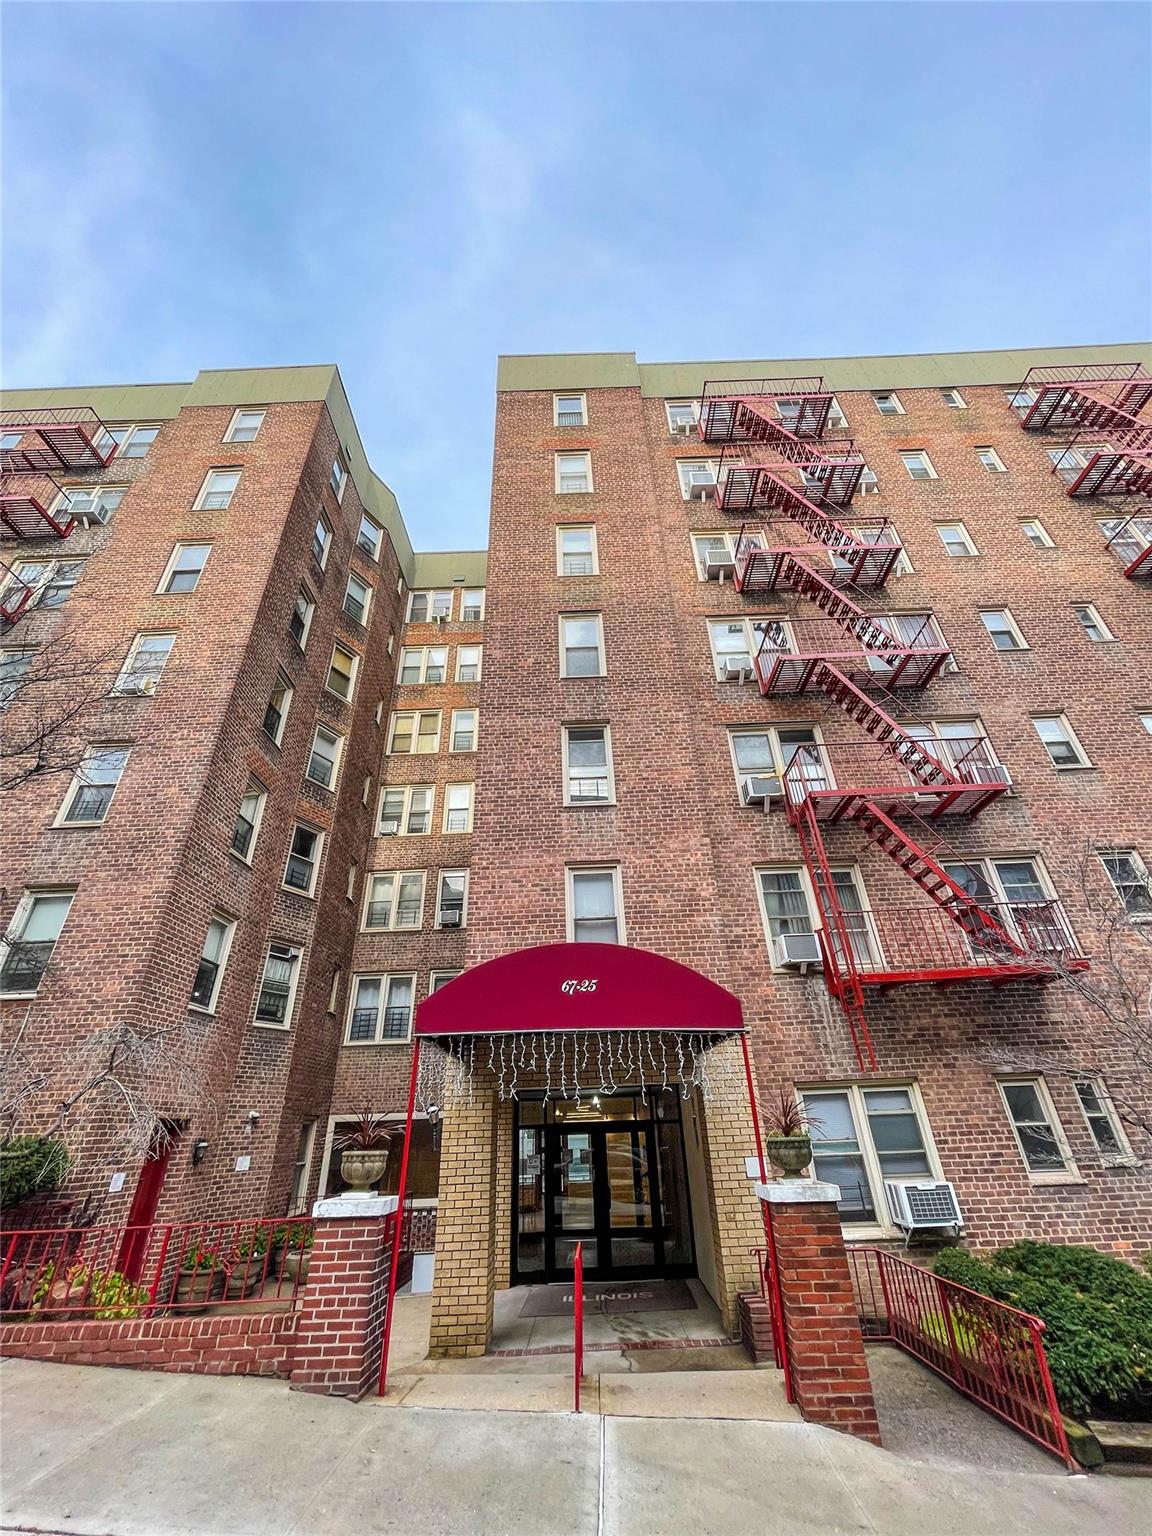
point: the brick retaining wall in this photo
(239, 1344)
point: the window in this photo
(788, 908)
(16, 664)
(301, 621)
(94, 784)
(325, 758)
(1036, 533)
(1021, 400)
(185, 567)
(569, 411)
(1038, 1132)
(405, 810)
(213, 958)
(888, 404)
(736, 641)
(338, 477)
(366, 790)
(438, 979)
(321, 540)
(954, 400)
(464, 722)
(1070, 463)
(248, 818)
(682, 416)
(576, 552)
(31, 938)
(581, 645)
(370, 536)
(1102, 1121)
(380, 1009)
(415, 731)
(1002, 628)
(869, 485)
(133, 442)
(1129, 876)
(278, 986)
(334, 989)
(916, 631)
(715, 554)
(91, 504)
(594, 906)
(217, 491)
(472, 605)
(303, 859)
(423, 664)
(837, 421)
(423, 606)
(1091, 622)
(353, 875)
(863, 1136)
(10, 440)
(297, 1197)
(573, 473)
(991, 461)
(394, 899)
(588, 765)
(452, 899)
(357, 596)
(342, 672)
(1128, 537)
(1060, 741)
(771, 751)
(918, 464)
(874, 534)
(458, 807)
(51, 580)
(469, 659)
(697, 478)
(244, 427)
(1145, 718)
(961, 745)
(276, 710)
(144, 664)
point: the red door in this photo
(144, 1203)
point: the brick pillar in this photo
(341, 1326)
(466, 1214)
(730, 1138)
(829, 1367)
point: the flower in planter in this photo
(201, 1259)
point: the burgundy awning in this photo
(579, 986)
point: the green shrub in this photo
(30, 1165)
(107, 1292)
(1097, 1313)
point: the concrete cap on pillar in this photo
(798, 1192)
(358, 1206)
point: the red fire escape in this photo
(897, 787)
(1092, 401)
(34, 445)
(15, 595)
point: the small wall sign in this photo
(116, 1183)
(243, 1164)
(569, 988)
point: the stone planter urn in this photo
(197, 1288)
(790, 1154)
(296, 1262)
(362, 1167)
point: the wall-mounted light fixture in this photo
(199, 1148)
(435, 1123)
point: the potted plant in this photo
(364, 1152)
(201, 1277)
(246, 1264)
(296, 1237)
(788, 1144)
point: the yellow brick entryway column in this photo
(466, 1222)
(730, 1138)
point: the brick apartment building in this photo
(824, 680)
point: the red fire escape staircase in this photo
(747, 413)
(41, 443)
(15, 595)
(1094, 397)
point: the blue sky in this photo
(409, 190)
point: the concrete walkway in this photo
(98, 1452)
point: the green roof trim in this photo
(448, 568)
(568, 370)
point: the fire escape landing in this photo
(36, 445)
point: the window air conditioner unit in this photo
(992, 773)
(798, 951)
(923, 1206)
(390, 827)
(451, 918)
(439, 618)
(701, 490)
(761, 789)
(718, 564)
(737, 671)
(684, 429)
(137, 685)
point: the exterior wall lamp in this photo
(199, 1148)
(436, 1124)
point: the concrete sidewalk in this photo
(98, 1452)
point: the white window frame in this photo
(440, 978)
(124, 436)
(840, 867)
(465, 594)
(317, 855)
(78, 784)
(397, 877)
(151, 681)
(772, 730)
(13, 676)
(233, 426)
(257, 791)
(293, 985)
(901, 566)
(450, 809)
(984, 453)
(1141, 880)
(752, 638)
(1020, 400)
(1069, 1174)
(170, 569)
(602, 666)
(441, 876)
(559, 476)
(386, 979)
(208, 500)
(282, 683)
(18, 925)
(362, 619)
(478, 663)
(1145, 718)
(681, 405)
(309, 613)
(571, 394)
(432, 594)
(1046, 540)
(415, 715)
(1123, 1157)
(567, 774)
(423, 652)
(918, 453)
(1083, 760)
(1068, 462)
(353, 675)
(715, 536)
(58, 576)
(879, 395)
(954, 400)
(322, 537)
(91, 498)
(685, 468)
(229, 926)
(593, 552)
(475, 713)
(1093, 621)
(374, 543)
(571, 872)
(407, 791)
(337, 741)
(883, 1226)
(338, 476)
(1010, 625)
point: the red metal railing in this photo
(578, 1321)
(913, 762)
(112, 1272)
(990, 1352)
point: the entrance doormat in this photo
(610, 1296)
